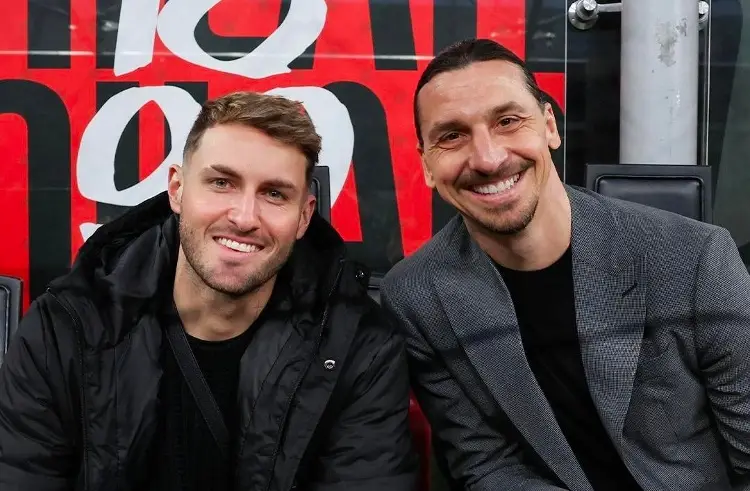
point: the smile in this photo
(497, 187)
(237, 246)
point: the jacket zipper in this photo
(298, 383)
(82, 387)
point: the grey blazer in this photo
(663, 314)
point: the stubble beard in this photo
(191, 247)
(504, 222)
(495, 221)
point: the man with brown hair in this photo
(214, 337)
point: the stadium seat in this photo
(320, 187)
(10, 310)
(682, 189)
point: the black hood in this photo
(131, 261)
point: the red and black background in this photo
(56, 59)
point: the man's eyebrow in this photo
(279, 183)
(223, 170)
(510, 106)
(444, 126)
(229, 172)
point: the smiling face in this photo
(487, 144)
(242, 201)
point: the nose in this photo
(488, 152)
(244, 213)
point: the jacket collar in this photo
(130, 261)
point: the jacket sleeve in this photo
(369, 447)
(35, 452)
(477, 457)
(722, 337)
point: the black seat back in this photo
(373, 289)
(320, 187)
(682, 189)
(10, 311)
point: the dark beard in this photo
(517, 226)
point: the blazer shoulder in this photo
(650, 227)
(412, 274)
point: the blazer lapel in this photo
(610, 308)
(480, 311)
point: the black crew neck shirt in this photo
(545, 307)
(186, 456)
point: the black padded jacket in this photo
(79, 385)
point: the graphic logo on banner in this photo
(108, 90)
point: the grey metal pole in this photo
(659, 82)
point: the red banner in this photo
(97, 97)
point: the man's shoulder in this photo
(645, 227)
(47, 325)
(49, 309)
(373, 331)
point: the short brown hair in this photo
(280, 118)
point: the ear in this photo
(428, 179)
(174, 187)
(550, 126)
(308, 208)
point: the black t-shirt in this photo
(185, 454)
(545, 307)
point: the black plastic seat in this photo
(682, 189)
(10, 310)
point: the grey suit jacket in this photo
(663, 315)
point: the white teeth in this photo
(497, 187)
(237, 246)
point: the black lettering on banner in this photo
(452, 22)
(545, 37)
(107, 19)
(199, 91)
(381, 245)
(231, 47)
(126, 156)
(392, 36)
(48, 126)
(48, 31)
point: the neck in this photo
(542, 242)
(211, 315)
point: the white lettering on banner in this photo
(136, 32)
(334, 125)
(140, 19)
(95, 168)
